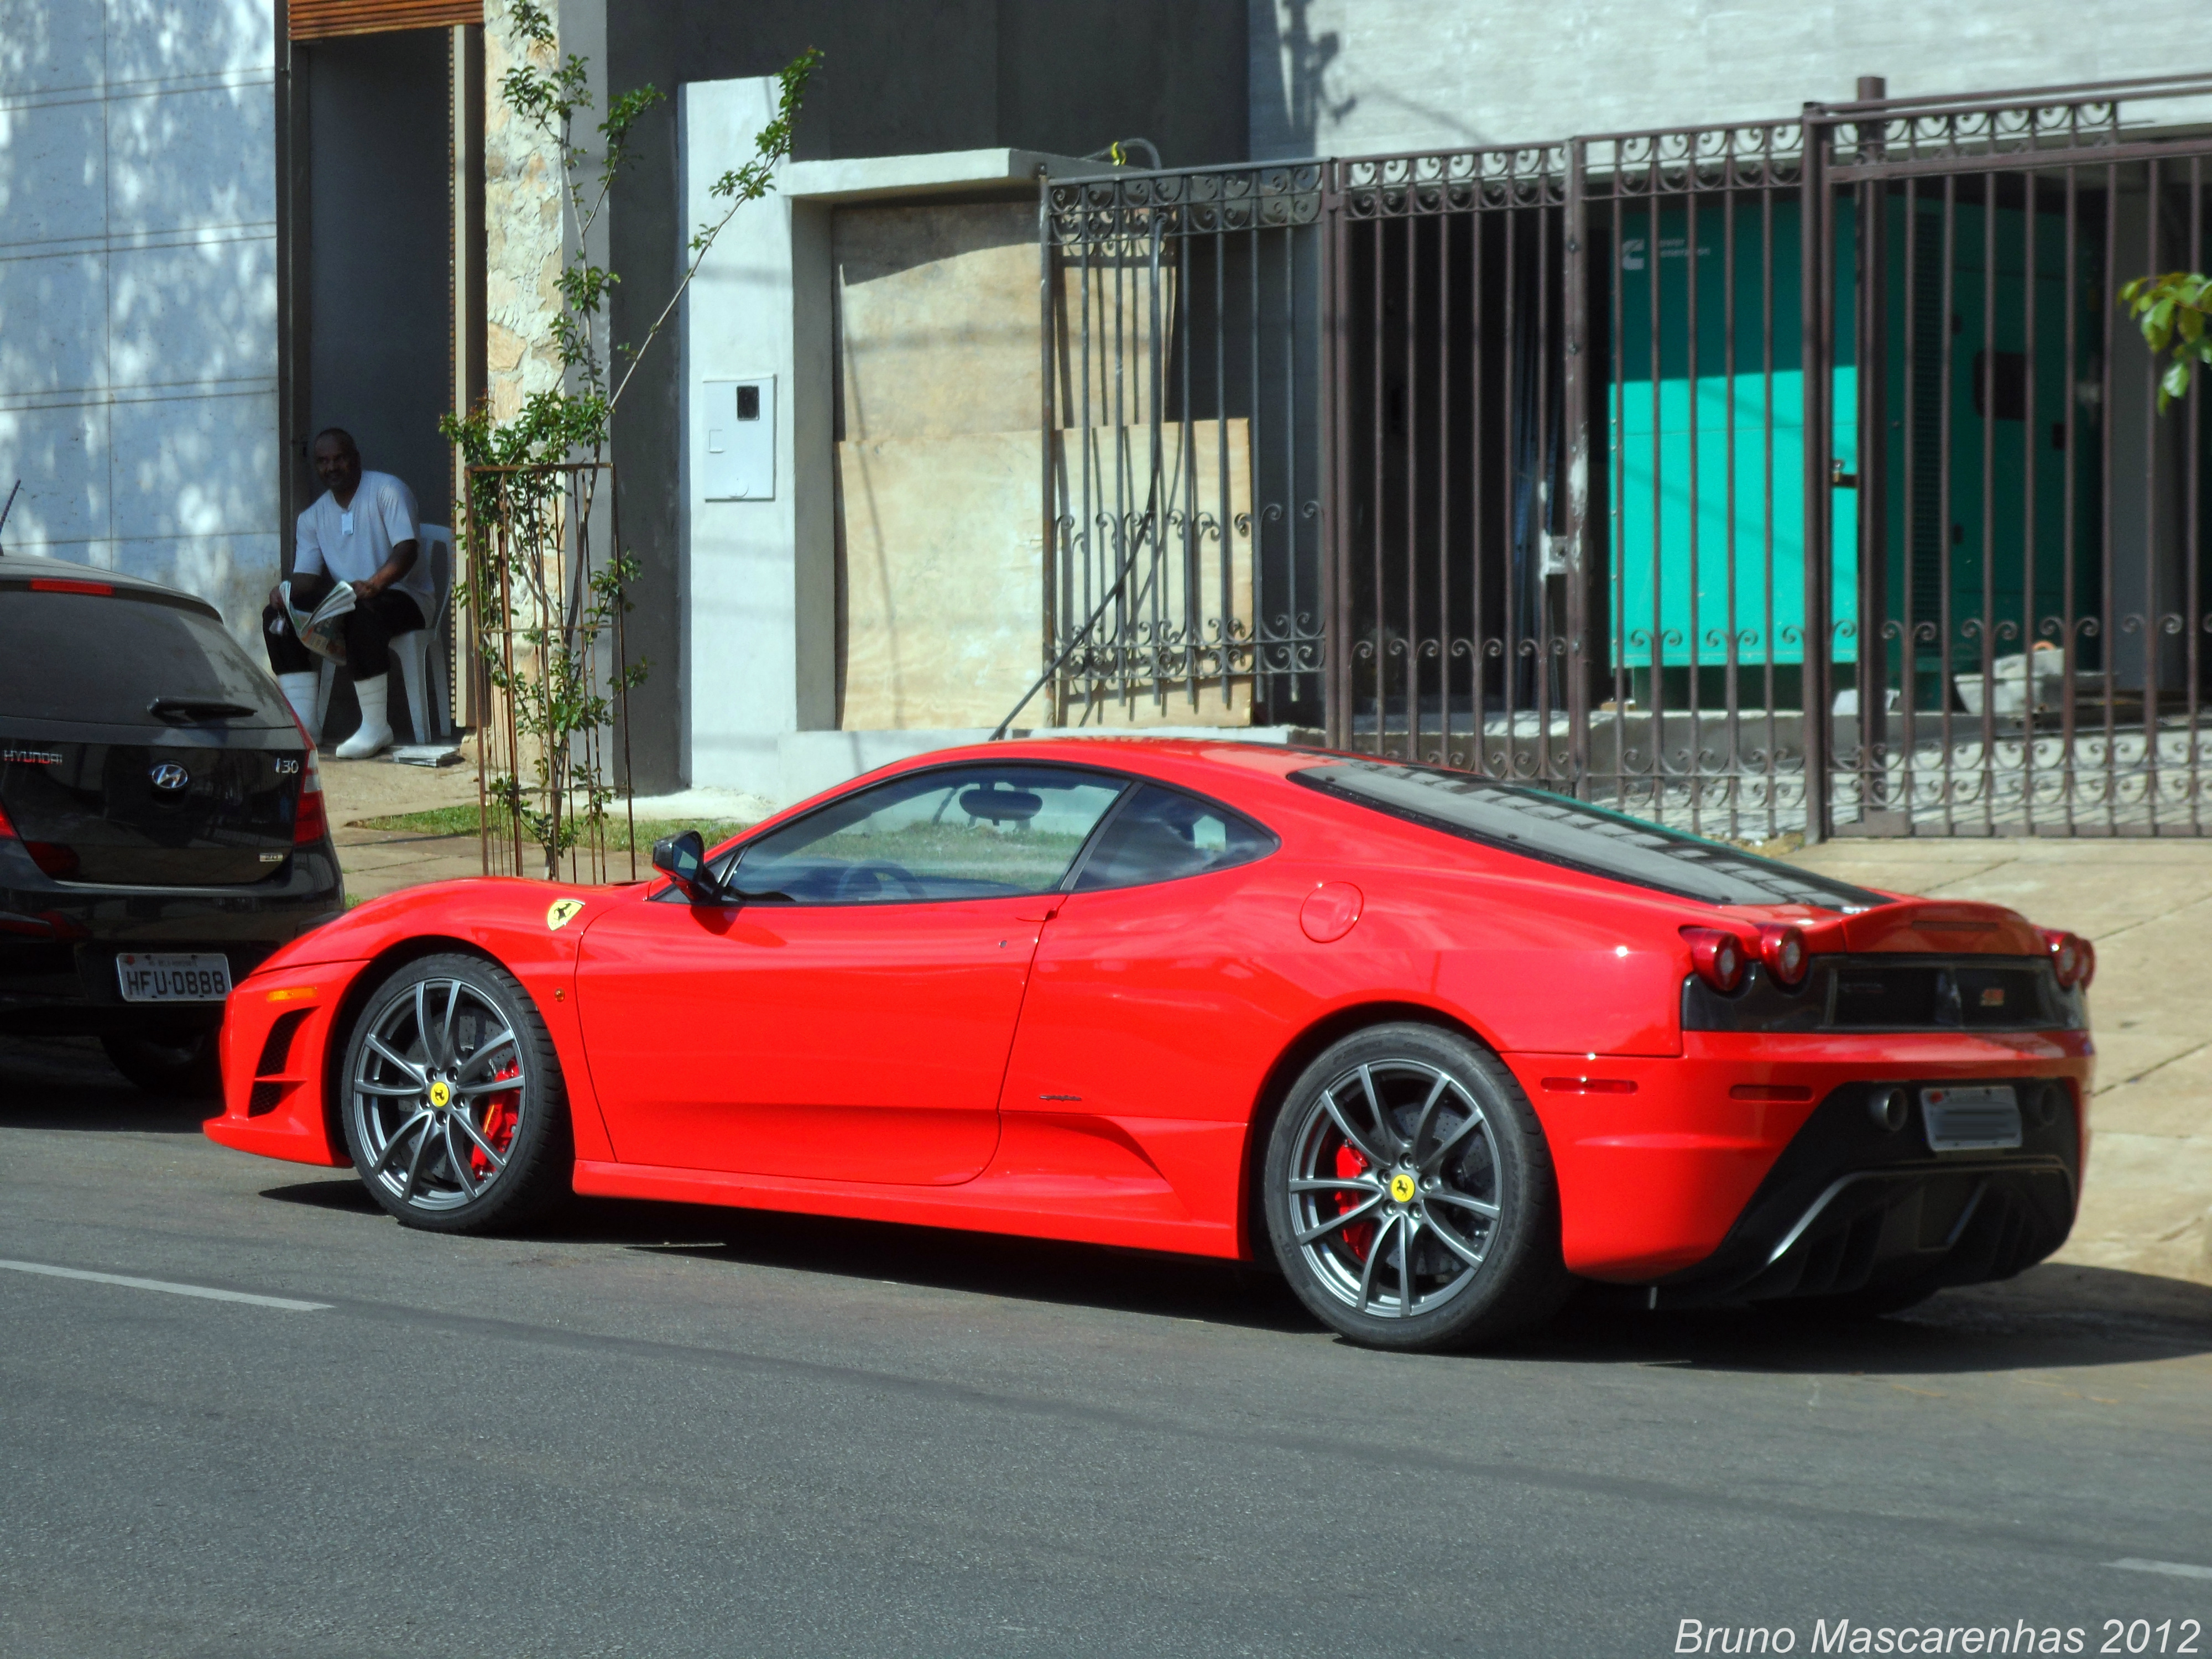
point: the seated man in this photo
(361, 529)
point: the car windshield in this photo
(1581, 837)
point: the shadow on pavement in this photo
(66, 1082)
(2056, 1315)
(2053, 1315)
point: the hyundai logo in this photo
(168, 776)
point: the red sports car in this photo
(1437, 1045)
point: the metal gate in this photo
(1181, 467)
(1793, 476)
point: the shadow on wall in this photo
(1290, 68)
(1299, 98)
(137, 293)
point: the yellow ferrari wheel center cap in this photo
(441, 1094)
(1401, 1188)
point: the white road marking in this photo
(2171, 1569)
(284, 1303)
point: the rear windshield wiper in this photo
(197, 708)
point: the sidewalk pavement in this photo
(2146, 1202)
(381, 861)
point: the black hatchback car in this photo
(161, 821)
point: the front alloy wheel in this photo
(455, 1112)
(1409, 1193)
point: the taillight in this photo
(1718, 956)
(2073, 959)
(54, 859)
(70, 584)
(312, 822)
(1782, 949)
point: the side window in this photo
(967, 832)
(1160, 834)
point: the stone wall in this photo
(522, 231)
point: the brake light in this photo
(1718, 956)
(2073, 959)
(312, 822)
(56, 860)
(1782, 949)
(67, 585)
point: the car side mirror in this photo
(683, 858)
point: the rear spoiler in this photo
(1947, 927)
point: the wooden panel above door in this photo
(321, 19)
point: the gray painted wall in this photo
(1351, 77)
(137, 290)
(898, 78)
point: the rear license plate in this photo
(1984, 1118)
(173, 976)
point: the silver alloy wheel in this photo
(437, 1095)
(1395, 1197)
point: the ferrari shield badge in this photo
(1401, 1188)
(561, 912)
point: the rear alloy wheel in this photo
(1410, 1195)
(453, 1104)
(186, 1065)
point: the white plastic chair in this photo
(418, 661)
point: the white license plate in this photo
(1983, 1118)
(173, 976)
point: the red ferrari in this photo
(1437, 1046)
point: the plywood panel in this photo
(942, 558)
(1188, 591)
(938, 331)
(944, 576)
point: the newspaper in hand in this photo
(322, 631)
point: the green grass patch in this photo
(463, 821)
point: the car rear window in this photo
(1558, 830)
(104, 659)
(1163, 834)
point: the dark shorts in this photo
(369, 628)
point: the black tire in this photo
(186, 1065)
(1462, 1133)
(482, 1158)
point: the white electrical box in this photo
(736, 441)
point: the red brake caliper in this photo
(1359, 1237)
(500, 1113)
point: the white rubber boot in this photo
(299, 691)
(375, 731)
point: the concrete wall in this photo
(731, 684)
(896, 79)
(137, 289)
(1352, 77)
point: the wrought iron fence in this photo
(1182, 468)
(549, 673)
(1794, 475)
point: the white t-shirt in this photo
(353, 543)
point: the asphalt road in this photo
(660, 1431)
